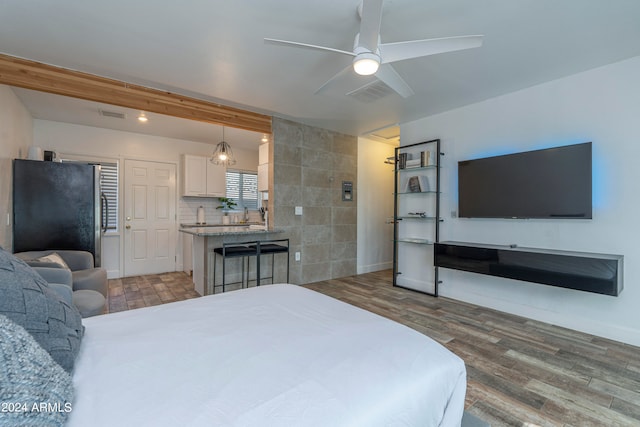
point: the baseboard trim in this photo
(362, 269)
(113, 274)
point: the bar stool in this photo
(232, 250)
(269, 247)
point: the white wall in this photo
(15, 138)
(105, 143)
(602, 106)
(375, 206)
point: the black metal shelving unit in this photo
(416, 165)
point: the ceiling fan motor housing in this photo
(365, 61)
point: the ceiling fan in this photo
(372, 57)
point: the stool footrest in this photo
(234, 251)
(271, 248)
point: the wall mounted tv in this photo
(549, 183)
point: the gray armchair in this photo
(59, 280)
(87, 284)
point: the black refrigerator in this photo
(57, 206)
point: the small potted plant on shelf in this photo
(226, 204)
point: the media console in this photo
(599, 273)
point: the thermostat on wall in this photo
(347, 191)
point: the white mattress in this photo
(278, 355)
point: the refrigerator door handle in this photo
(104, 213)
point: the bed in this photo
(277, 355)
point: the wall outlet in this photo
(298, 210)
(297, 255)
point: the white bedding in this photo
(278, 355)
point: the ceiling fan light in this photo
(366, 63)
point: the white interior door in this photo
(149, 217)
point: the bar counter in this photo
(206, 238)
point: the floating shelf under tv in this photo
(598, 273)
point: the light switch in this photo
(298, 210)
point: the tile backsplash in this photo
(188, 211)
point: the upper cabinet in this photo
(201, 178)
(263, 167)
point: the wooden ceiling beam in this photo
(60, 81)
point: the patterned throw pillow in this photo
(35, 390)
(26, 299)
(52, 260)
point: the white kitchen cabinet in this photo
(201, 178)
(263, 177)
(263, 167)
(263, 154)
(216, 179)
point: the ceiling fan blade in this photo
(334, 79)
(389, 76)
(307, 46)
(370, 16)
(392, 52)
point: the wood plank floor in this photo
(520, 372)
(144, 291)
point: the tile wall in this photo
(309, 166)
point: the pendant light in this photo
(223, 154)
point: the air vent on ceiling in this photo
(371, 92)
(114, 114)
(390, 133)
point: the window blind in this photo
(109, 187)
(242, 187)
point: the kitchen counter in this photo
(245, 224)
(233, 230)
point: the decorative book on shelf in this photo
(407, 160)
(402, 160)
(425, 158)
(415, 184)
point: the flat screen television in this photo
(550, 183)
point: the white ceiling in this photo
(214, 50)
(58, 108)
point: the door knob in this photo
(127, 226)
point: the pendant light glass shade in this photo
(223, 154)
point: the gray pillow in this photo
(25, 298)
(35, 390)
